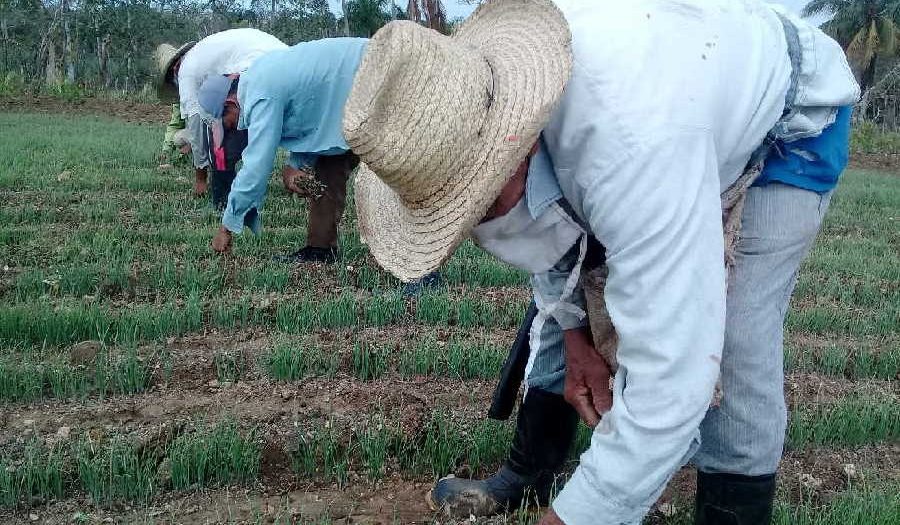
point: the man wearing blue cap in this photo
(293, 98)
(181, 73)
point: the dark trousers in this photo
(233, 142)
(325, 213)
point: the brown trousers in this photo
(325, 213)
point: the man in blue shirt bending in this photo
(293, 98)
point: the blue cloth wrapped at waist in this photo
(814, 163)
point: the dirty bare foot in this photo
(200, 182)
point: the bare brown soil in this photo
(137, 112)
(886, 162)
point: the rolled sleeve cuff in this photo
(579, 503)
(197, 137)
(235, 222)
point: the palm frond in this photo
(846, 23)
(887, 36)
(871, 43)
(816, 7)
(856, 51)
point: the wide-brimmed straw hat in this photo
(165, 57)
(441, 123)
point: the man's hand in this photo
(587, 377)
(221, 243)
(200, 184)
(550, 518)
(299, 181)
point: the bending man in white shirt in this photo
(665, 107)
(183, 70)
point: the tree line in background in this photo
(869, 32)
(107, 44)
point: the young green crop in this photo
(374, 443)
(854, 507)
(230, 366)
(27, 379)
(850, 421)
(211, 456)
(116, 470)
(290, 362)
(38, 477)
(369, 361)
(858, 363)
(322, 453)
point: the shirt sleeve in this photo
(248, 190)
(176, 123)
(189, 81)
(197, 137)
(550, 286)
(657, 212)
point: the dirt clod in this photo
(84, 353)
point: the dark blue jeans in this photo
(233, 142)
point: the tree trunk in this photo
(51, 75)
(867, 79)
(346, 18)
(4, 33)
(68, 48)
(103, 59)
(128, 52)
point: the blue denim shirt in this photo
(293, 98)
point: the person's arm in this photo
(587, 386)
(176, 124)
(658, 214)
(197, 137)
(248, 191)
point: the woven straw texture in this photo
(441, 123)
(165, 55)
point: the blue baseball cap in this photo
(213, 93)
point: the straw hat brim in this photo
(527, 44)
(165, 90)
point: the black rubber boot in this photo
(430, 282)
(309, 254)
(733, 499)
(545, 429)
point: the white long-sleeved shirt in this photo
(223, 53)
(666, 103)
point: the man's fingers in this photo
(600, 393)
(291, 184)
(602, 398)
(585, 408)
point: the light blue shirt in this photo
(293, 98)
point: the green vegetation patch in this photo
(857, 420)
(214, 455)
